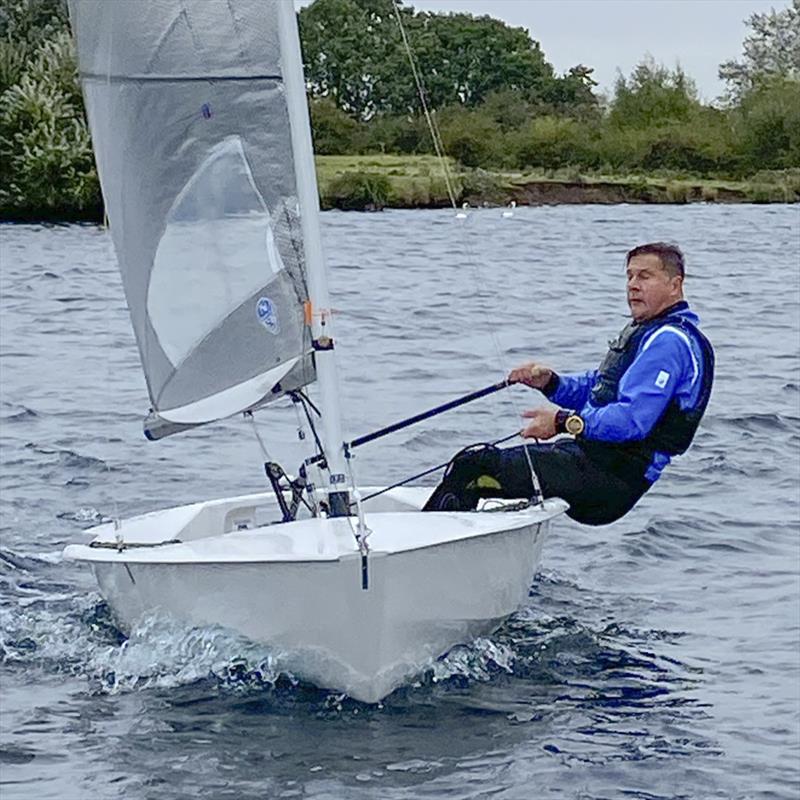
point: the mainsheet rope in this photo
(432, 469)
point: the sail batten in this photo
(187, 106)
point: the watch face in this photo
(574, 425)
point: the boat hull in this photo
(433, 581)
(320, 622)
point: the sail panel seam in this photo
(96, 76)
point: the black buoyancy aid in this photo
(676, 427)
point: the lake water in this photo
(658, 657)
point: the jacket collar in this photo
(675, 308)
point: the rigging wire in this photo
(469, 253)
(432, 127)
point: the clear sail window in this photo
(217, 249)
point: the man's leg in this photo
(595, 496)
(484, 471)
(472, 470)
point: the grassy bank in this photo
(373, 182)
(405, 181)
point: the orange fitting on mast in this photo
(309, 312)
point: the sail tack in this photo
(188, 111)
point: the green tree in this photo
(573, 94)
(334, 132)
(552, 142)
(354, 54)
(652, 96)
(346, 45)
(470, 136)
(467, 58)
(771, 50)
(508, 108)
(657, 123)
(46, 159)
(24, 26)
(768, 125)
(391, 133)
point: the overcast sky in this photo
(616, 34)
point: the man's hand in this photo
(542, 423)
(534, 375)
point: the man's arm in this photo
(646, 388)
(571, 391)
(566, 390)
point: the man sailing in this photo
(628, 417)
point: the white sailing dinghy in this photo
(201, 134)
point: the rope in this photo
(361, 531)
(307, 400)
(437, 467)
(264, 452)
(434, 130)
(469, 253)
(301, 398)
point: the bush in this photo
(397, 134)
(13, 59)
(356, 191)
(552, 143)
(46, 159)
(479, 186)
(508, 109)
(334, 132)
(766, 193)
(677, 192)
(768, 123)
(683, 149)
(472, 137)
(703, 144)
(24, 26)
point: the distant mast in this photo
(308, 196)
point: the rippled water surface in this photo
(656, 658)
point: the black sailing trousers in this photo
(596, 496)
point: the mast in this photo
(308, 196)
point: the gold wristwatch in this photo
(569, 422)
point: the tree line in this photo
(497, 102)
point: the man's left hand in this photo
(542, 424)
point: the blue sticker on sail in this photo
(267, 315)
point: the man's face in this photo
(650, 287)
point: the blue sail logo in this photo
(267, 316)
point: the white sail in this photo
(187, 106)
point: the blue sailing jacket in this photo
(645, 401)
